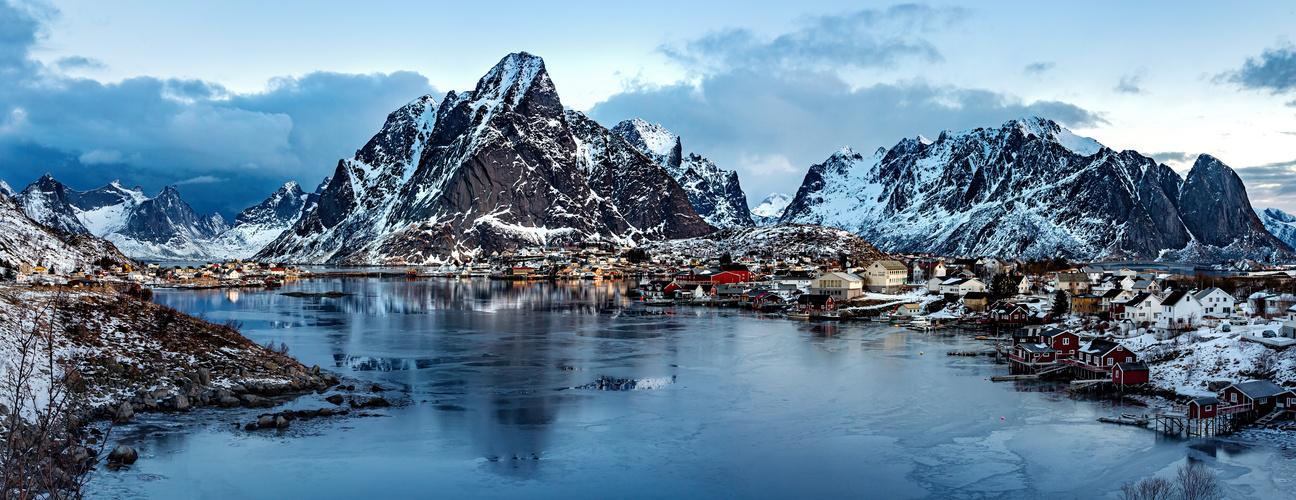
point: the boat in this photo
(659, 302)
(798, 315)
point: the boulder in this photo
(124, 412)
(123, 454)
(325, 412)
(266, 421)
(204, 377)
(254, 401)
(1217, 385)
(229, 402)
(336, 399)
(178, 403)
(280, 422)
(251, 426)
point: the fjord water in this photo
(504, 402)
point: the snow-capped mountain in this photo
(771, 209)
(714, 193)
(6, 190)
(1280, 224)
(161, 228)
(492, 169)
(258, 225)
(1031, 188)
(25, 241)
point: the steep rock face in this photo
(46, 201)
(1028, 189)
(1280, 224)
(6, 190)
(715, 194)
(26, 241)
(770, 209)
(167, 218)
(496, 168)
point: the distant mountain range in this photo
(164, 227)
(1033, 189)
(505, 165)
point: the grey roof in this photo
(1132, 366)
(1209, 400)
(892, 265)
(1036, 348)
(1259, 389)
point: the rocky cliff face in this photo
(1033, 189)
(496, 168)
(715, 194)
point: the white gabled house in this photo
(1215, 303)
(1180, 310)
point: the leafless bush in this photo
(43, 453)
(1266, 364)
(280, 349)
(1151, 488)
(233, 324)
(1196, 482)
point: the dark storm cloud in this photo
(1038, 67)
(1274, 70)
(867, 38)
(1271, 184)
(156, 132)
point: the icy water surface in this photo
(507, 401)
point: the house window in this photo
(1208, 407)
(1233, 397)
(1066, 341)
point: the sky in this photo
(229, 100)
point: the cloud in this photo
(1175, 157)
(156, 132)
(1129, 84)
(862, 39)
(1274, 71)
(1038, 68)
(202, 179)
(99, 157)
(79, 62)
(1271, 184)
(741, 119)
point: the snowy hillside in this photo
(771, 209)
(714, 193)
(778, 239)
(24, 241)
(1032, 189)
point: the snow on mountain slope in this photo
(769, 210)
(715, 194)
(493, 169)
(1032, 189)
(25, 241)
(6, 190)
(163, 228)
(256, 226)
(783, 239)
(1279, 223)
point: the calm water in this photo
(728, 404)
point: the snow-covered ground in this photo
(1186, 364)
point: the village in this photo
(1097, 329)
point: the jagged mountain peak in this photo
(6, 190)
(647, 137)
(771, 208)
(511, 80)
(1031, 188)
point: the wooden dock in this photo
(1005, 378)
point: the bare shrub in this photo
(233, 324)
(1151, 488)
(44, 453)
(1195, 482)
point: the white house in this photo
(838, 285)
(1023, 285)
(1179, 310)
(962, 286)
(1144, 307)
(1289, 325)
(934, 285)
(886, 276)
(1215, 302)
